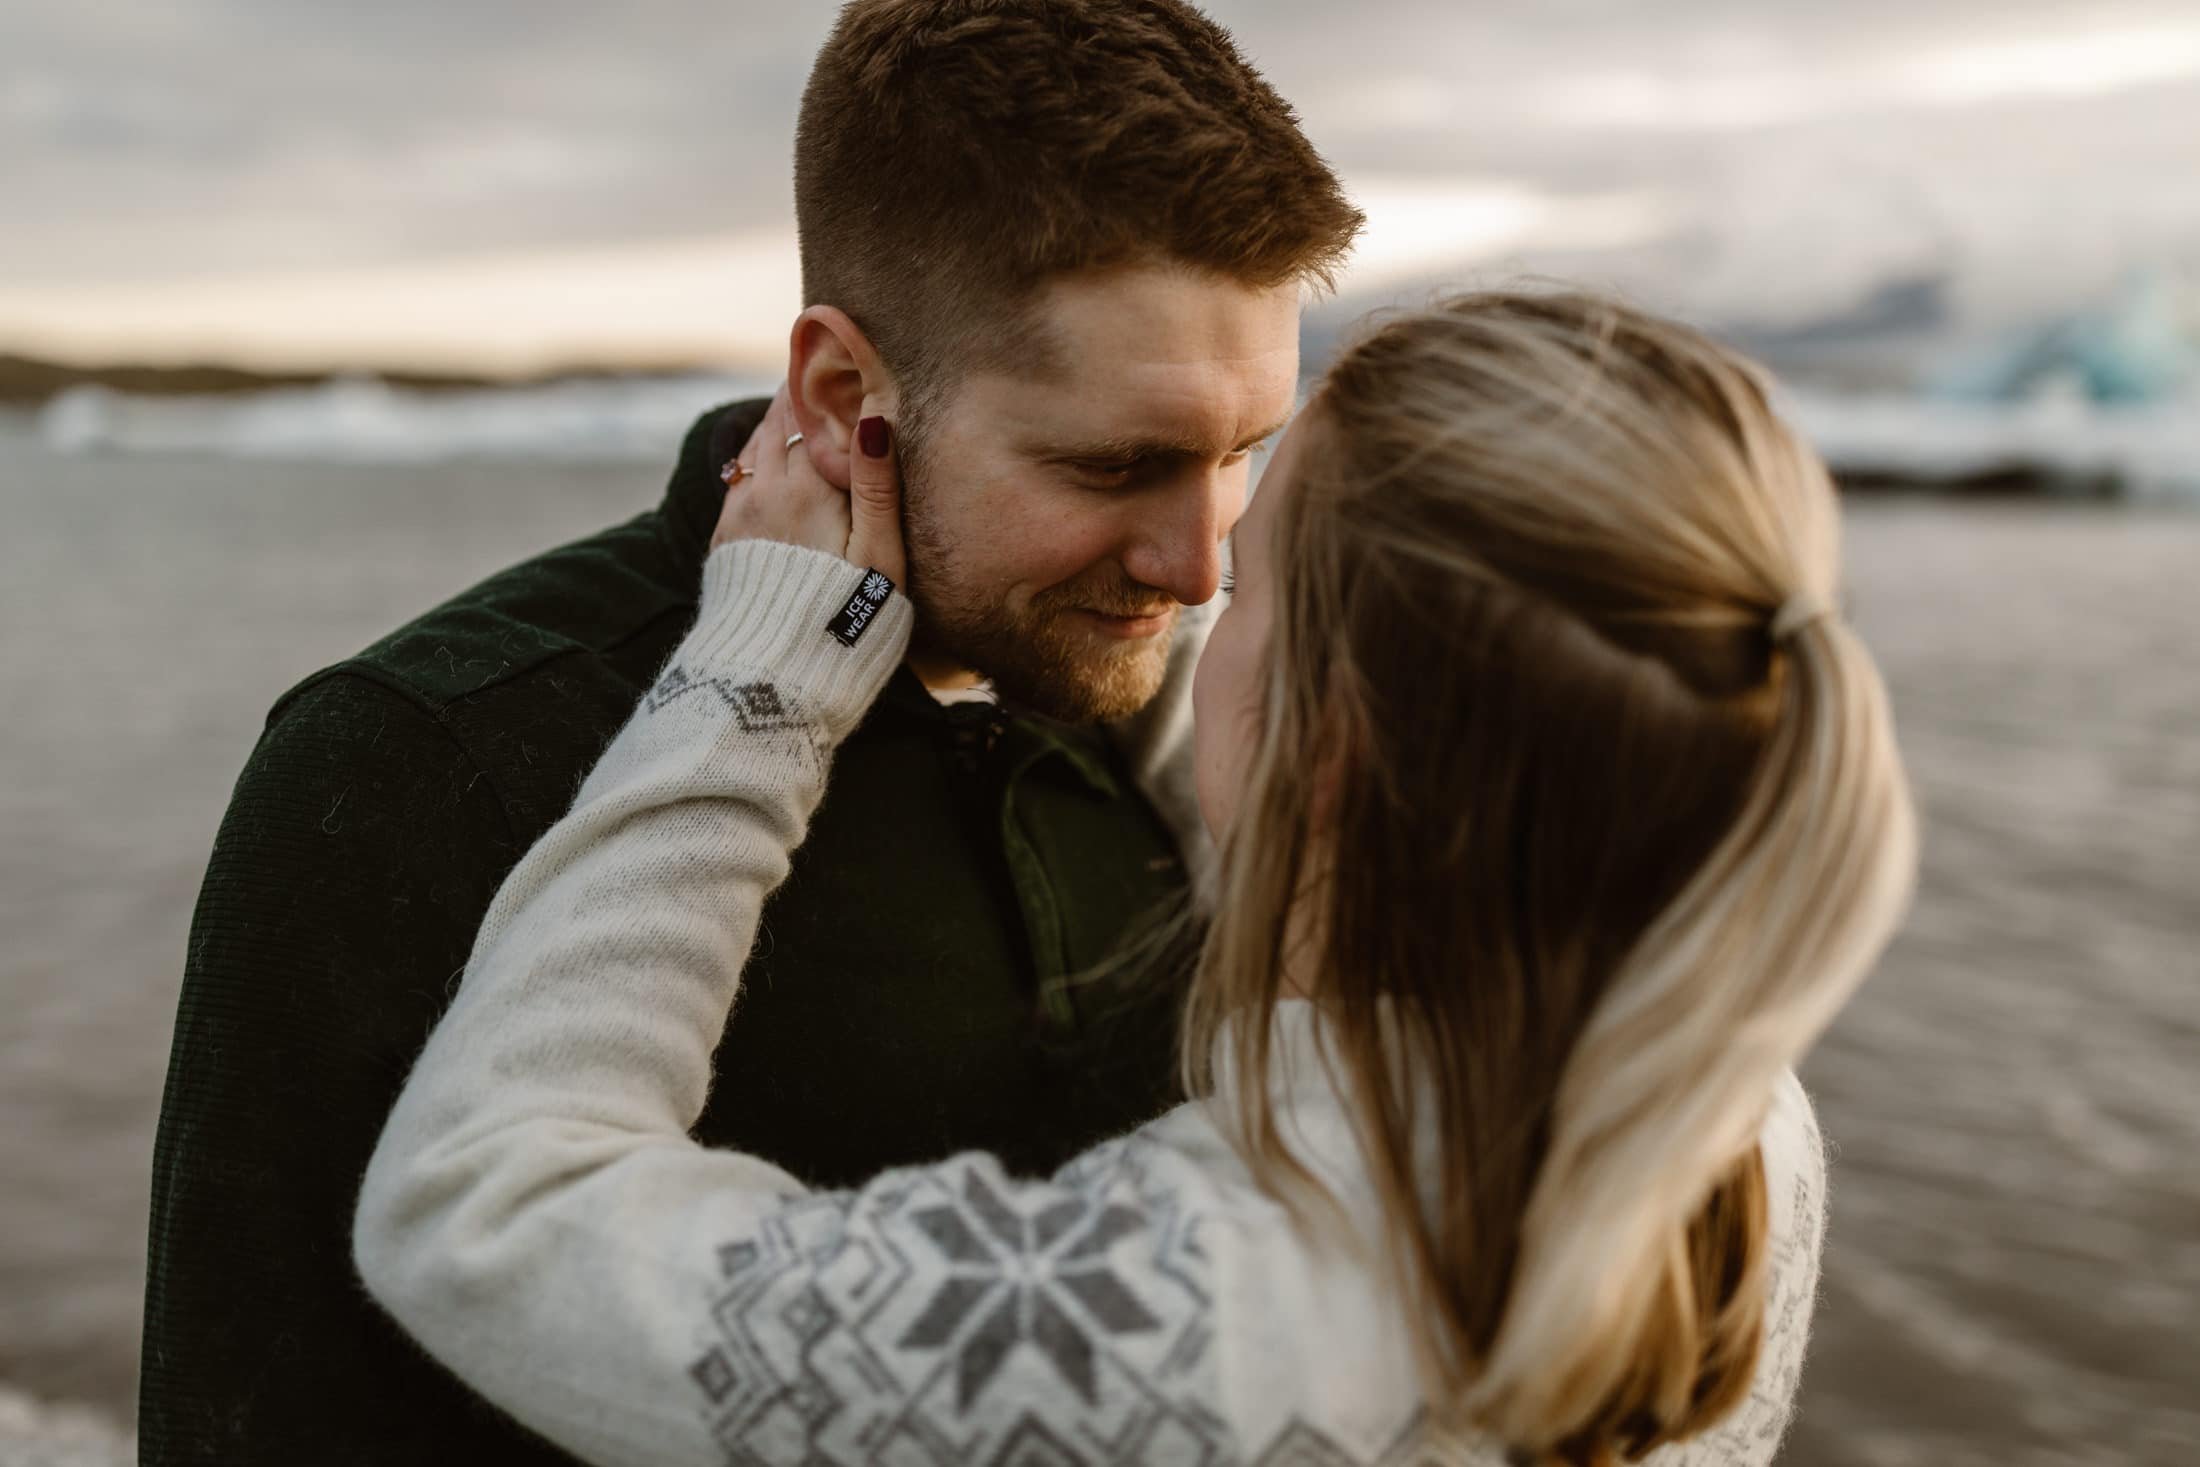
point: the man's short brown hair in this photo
(954, 154)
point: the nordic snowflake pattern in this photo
(759, 706)
(1035, 1278)
(948, 1314)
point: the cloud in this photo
(720, 300)
(203, 144)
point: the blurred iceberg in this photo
(2142, 346)
(2101, 400)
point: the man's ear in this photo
(832, 369)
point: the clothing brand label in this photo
(861, 607)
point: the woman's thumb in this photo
(874, 500)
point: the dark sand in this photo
(2013, 1274)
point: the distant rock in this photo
(29, 381)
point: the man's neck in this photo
(941, 674)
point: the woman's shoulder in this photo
(1795, 1179)
(1794, 1152)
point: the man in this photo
(1058, 246)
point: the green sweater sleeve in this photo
(357, 856)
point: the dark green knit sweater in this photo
(906, 998)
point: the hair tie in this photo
(1797, 612)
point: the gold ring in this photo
(734, 472)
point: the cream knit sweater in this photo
(538, 1218)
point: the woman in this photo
(1558, 813)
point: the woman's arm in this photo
(538, 1218)
(549, 1110)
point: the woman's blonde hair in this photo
(1582, 850)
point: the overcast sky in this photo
(1751, 157)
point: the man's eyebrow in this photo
(1139, 446)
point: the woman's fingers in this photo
(737, 511)
(785, 497)
(767, 450)
(874, 498)
(749, 458)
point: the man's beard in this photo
(1039, 658)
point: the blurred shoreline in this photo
(1876, 444)
(28, 383)
(1896, 389)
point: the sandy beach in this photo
(2013, 1268)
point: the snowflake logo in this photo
(1041, 1281)
(875, 587)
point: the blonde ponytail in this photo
(1668, 1083)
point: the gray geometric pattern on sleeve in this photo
(948, 1314)
(757, 705)
(754, 705)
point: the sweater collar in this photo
(1309, 1095)
(1300, 1081)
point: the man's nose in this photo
(1177, 546)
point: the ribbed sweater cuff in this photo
(767, 605)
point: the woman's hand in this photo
(781, 496)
